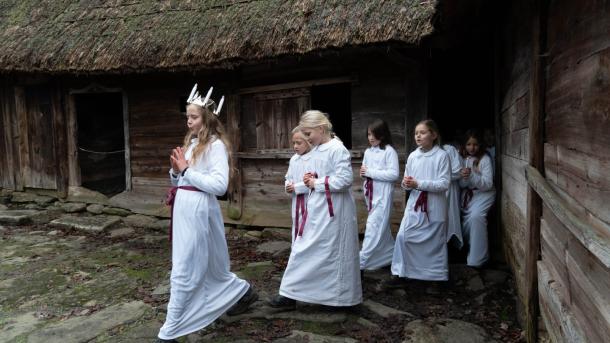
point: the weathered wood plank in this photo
(553, 248)
(515, 144)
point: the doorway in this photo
(101, 141)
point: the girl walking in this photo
(294, 185)
(478, 195)
(421, 244)
(323, 264)
(380, 170)
(202, 286)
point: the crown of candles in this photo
(195, 99)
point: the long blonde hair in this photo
(314, 118)
(298, 130)
(211, 129)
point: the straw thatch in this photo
(136, 35)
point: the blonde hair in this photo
(297, 131)
(211, 129)
(314, 118)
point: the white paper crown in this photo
(195, 98)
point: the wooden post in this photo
(59, 141)
(235, 196)
(536, 160)
(24, 149)
(127, 145)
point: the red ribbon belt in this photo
(329, 200)
(299, 209)
(171, 196)
(422, 203)
(368, 191)
(468, 194)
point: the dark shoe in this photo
(244, 303)
(160, 340)
(394, 282)
(283, 302)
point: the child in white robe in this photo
(478, 195)
(421, 244)
(323, 264)
(202, 286)
(294, 185)
(380, 170)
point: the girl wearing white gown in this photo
(323, 266)
(202, 286)
(294, 185)
(478, 195)
(421, 244)
(380, 170)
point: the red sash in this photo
(329, 200)
(171, 196)
(368, 191)
(299, 209)
(422, 203)
(468, 194)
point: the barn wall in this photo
(577, 160)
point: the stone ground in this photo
(70, 273)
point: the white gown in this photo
(202, 286)
(298, 166)
(474, 215)
(454, 225)
(378, 244)
(421, 243)
(323, 264)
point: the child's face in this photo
(314, 134)
(472, 146)
(194, 120)
(373, 141)
(299, 144)
(424, 137)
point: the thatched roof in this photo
(136, 35)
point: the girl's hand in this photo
(309, 180)
(363, 171)
(178, 160)
(410, 182)
(465, 172)
(290, 187)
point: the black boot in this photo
(244, 303)
(282, 302)
(160, 340)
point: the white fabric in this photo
(298, 166)
(202, 287)
(378, 245)
(421, 243)
(474, 216)
(323, 264)
(454, 226)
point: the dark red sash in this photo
(302, 210)
(171, 196)
(368, 191)
(421, 204)
(329, 200)
(468, 194)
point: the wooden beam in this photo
(127, 145)
(536, 160)
(24, 149)
(72, 141)
(235, 191)
(59, 141)
(308, 83)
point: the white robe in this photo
(298, 166)
(323, 264)
(421, 243)
(474, 216)
(378, 245)
(202, 286)
(454, 225)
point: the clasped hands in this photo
(177, 160)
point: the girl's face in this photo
(373, 141)
(472, 146)
(314, 134)
(299, 144)
(424, 137)
(194, 120)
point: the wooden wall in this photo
(575, 277)
(513, 157)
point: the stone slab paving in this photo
(382, 310)
(273, 247)
(83, 329)
(17, 217)
(441, 330)
(18, 326)
(302, 336)
(88, 224)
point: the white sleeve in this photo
(444, 175)
(343, 176)
(173, 177)
(216, 180)
(407, 172)
(391, 173)
(456, 163)
(484, 179)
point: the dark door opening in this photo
(335, 100)
(462, 97)
(101, 142)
